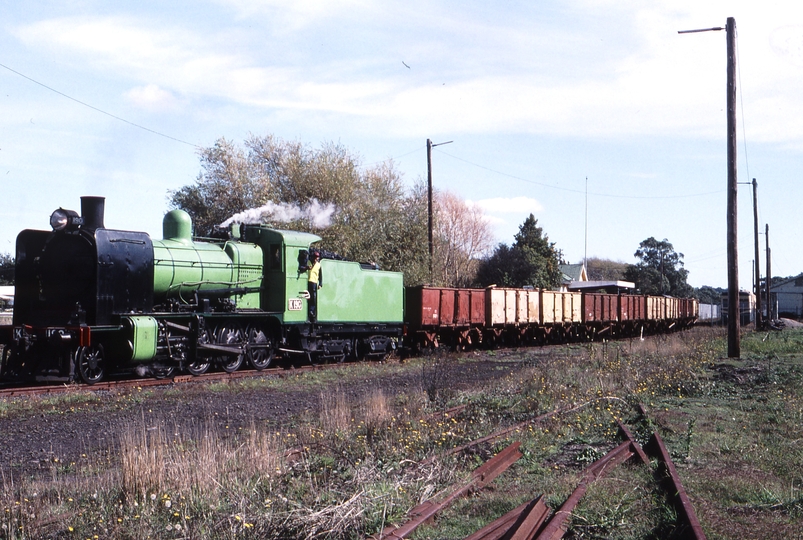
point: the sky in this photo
(596, 116)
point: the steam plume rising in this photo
(319, 215)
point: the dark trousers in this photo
(312, 287)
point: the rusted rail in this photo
(557, 525)
(690, 526)
(529, 520)
(481, 477)
(517, 524)
(636, 446)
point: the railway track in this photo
(46, 387)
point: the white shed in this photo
(787, 297)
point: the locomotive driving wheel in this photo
(261, 347)
(230, 334)
(163, 372)
(200, 365)
(90, 363)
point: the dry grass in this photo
(336, 412)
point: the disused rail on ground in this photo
(534, 520)
(481, 477)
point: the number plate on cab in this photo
(295, 304)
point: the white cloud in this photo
(152, 98)
(584, 80)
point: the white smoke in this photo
(319, 215)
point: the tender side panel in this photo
(351, 293)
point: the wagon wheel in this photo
(230, 335)
(200, 365)
(90, 363)
(260, 357)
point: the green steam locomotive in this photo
(91, 301)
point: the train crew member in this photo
(314, 283)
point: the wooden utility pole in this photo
(429, 207)
(768, 280)
(733, 253)
(759, 318)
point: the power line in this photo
(578, 190)
(98, 110)
(395, 157)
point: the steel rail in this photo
(482, 476)
(66, 388)
(519, 524)
(668, 475)
(557, 525)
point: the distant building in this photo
(786, 297)
(709, 313)
(610, 287)
(571, 273)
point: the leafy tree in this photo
(6, 269)
(461, 237)
(532, 260)
(709, 295)
(605, 269)
(227, 184)
(660, 269)
(373, 217)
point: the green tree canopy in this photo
(6, 269)
(659, 270)
(709, 295)
(605, 269)
(531, 260)
(374, 217)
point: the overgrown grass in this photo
(350, 465)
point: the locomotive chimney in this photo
(92, 211)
